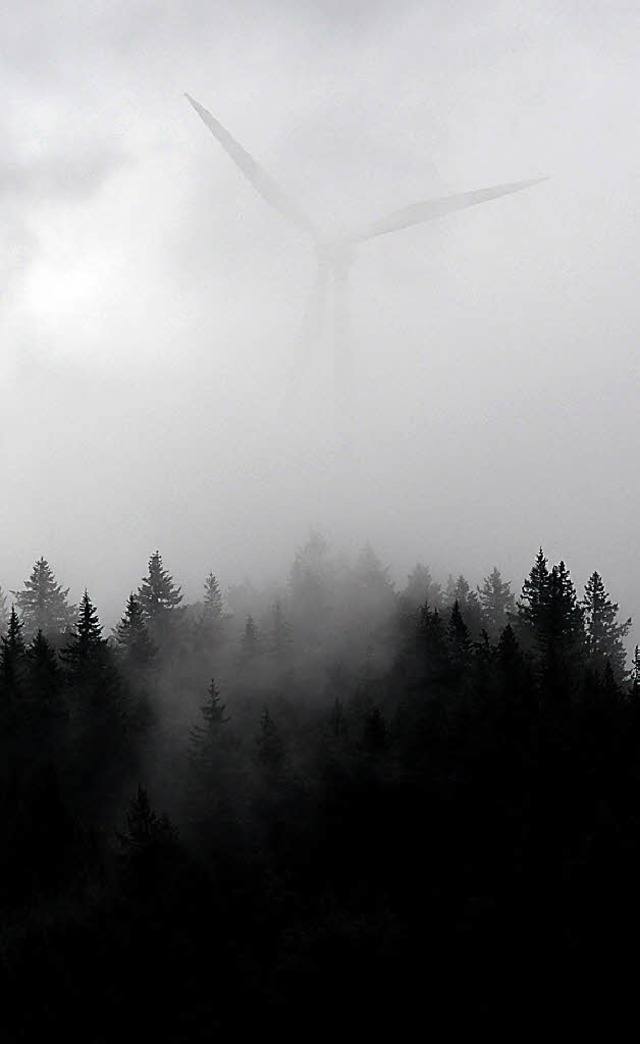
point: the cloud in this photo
(60, 176)
(156, 298)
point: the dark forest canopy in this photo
(312, 785)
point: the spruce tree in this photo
(133, 641)
(422, 588)
(4, 611)
(635, 672)
(12, 657)
(533, 599)
(371, 577)
(604, 634)
(212, 602)
(251, 641)
(459, 639)
(208, 623)
(269, 745)
(497, 603)
(104, 725)
(43, 605)
(144, 827)
(564, 617)
(86, 650)
(312, 583)
(468, 603)
(204, 737)
(551, 623)
(431, 646)
(44, 679)
(508, 648)
(160, 600)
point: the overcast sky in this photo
(151, 302)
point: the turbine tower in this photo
(336, 255)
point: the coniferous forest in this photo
(329, 806)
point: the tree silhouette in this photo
(421, 588)
(251, 640)
(280, 634)
(44, 682)
(212, 602)
(531, 605)
(460, 591)
(459, 639)
(134, 643)
(4, 611)
(604, 634)
(144, 828)
(12, 666)
(497, 603)
(160, 600)
(43, 604)
(12, 650)
(86, 649)
(158, 593)
(204, 737)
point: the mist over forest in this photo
(319, 585)
(287, 791)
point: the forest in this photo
(328, 806)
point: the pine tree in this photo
(269, 745)
(203, 738)
(468, 603)
(312, 581)
(134, 644)
(208, 622)
(431, 645)
(459, 639)
(104, 719)
(635, 672)
(551, 622)
(508, 648)
(86, 650)
(43, 605)
(604, 635)
(371, 577)
(251, 640)
(533, 600)
(157, 593)
(160, 600)
(4, 611)
(514, 674)
(144, 829)
(44, 679)
(564, 617)
(422, 589)
(212, 603)
(149, 851)
(497, 603)
(12, 656)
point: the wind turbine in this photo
(335, 256)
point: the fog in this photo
(151, 302)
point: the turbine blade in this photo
(262, 182)
(434, 208)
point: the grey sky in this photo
(150, 301)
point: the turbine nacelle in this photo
(337, 253)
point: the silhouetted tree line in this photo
(329, 805)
